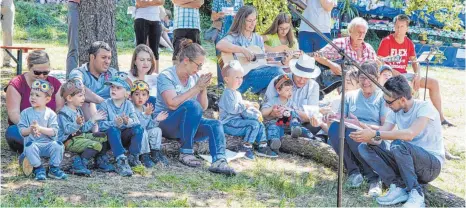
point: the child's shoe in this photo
(39, 173)
(57, 173)
(146, 161)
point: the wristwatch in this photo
(377, 136)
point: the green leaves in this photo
(267, 11)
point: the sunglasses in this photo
(38, 73)
(391, 102)
(140, 85)
(41, 85)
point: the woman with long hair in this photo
(241, 36)
(279, 36)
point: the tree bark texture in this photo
(97, 23)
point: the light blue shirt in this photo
(317, 15)
(217, 6)
(67, 123)
(146, 121)
(109, 107)
(186, 18)
(95, 84)
(368, 110)
(46, 118)
(168, 80)
(230, 105)
(430, 138)
(240, 40)
(306, 95)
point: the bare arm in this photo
(25, 131)
(327, 5)
(173, 101)
(415, 65)
(59, 101)
(196, 4)
(91, 97)
(303, 116)
(181, 2)
(266, 112)
(47, 131)
(203, 100)
(13, 100)
(216, 15)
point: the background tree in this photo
(97, 22)
(445, 11)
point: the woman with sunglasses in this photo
(364, 108)
(183, 94)
(17, 95)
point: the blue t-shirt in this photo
(430, 138)
(168, 80)
(368, 110)
(46, 118)
(240, 40)
(95, 84)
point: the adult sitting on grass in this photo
(363, 107)
(94, 74)
(17, 96)
(416, 154)
(183, 94)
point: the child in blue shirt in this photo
(39, 127)
(152, 141)
(76, 134)
(240, 117)
(122, 125)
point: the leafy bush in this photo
(267, 11)
(124, 23)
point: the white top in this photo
(317, 15)
(150, 79)
(151, 13)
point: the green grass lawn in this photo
(289, 181)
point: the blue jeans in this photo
(311, 41)
(35, 150)
(121, 138)
(251, 130)
(227, 22)
(259, 79)
(275, 131)
(187, 124)
(404, 164)
(351, 157)
(14, 139)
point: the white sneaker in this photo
(395, 195)
(415, 200)
(375, 189)
(355, 180)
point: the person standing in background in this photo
(72, 59)
(318, 12)
(148, 27)
(7, 19)
(186, 23)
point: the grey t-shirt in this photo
(67, 123)
(95, 84)
(46, 118)
(317, 15)
(368, 110)
(430, 138)
(230, 105)
(240, 40)
(307, 95)
(168, 80)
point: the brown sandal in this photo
(190, 160)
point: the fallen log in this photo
(323, 153)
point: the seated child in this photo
(122, 125)
(39, 127)
(76, 134)
(152, 141)
(240, 117)
(288, 120)
(386, 72)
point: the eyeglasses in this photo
(139, 85)
(41, 85)
(38, 73)
(199, 66)
(391, 102)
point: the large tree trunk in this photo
(97, 22)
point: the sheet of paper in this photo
(152, 81)
(349, 125)
(228, 153)
(423, 56)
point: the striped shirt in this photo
(368, 53)
(217, 6)
(186, 18)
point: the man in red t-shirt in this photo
(399, 44)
